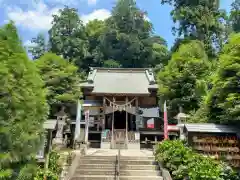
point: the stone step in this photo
(101, 172)
(140, 177)
(137, 162)
(121, 157)
(138, 167)
(97, 177)
(144, 173)
(123, 162)
(93, 177)
(96, 161)
(111, 172)
(110, 166)
(96, 166)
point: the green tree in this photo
(67, 36)
(61, 80)
(235, 16)
(180, 81)
(158, 40)
(111, 64)
(94, 30)
(127, 37)
(23, 107)
(201, 20)
(39, 46)
(160, 54)
(223, 101)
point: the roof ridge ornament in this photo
(150, 76)
(91, 75)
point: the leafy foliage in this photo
(54, 168)
(54, 162)
(235, 16)
(94, 31)
(127, 38)
(202, 20)
(182, 80)
(39, 46)
(61, 79)
(123, 40)
(23, 106)
(67, 36)
(223, 101)
(184, 163)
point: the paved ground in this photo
(114, 152)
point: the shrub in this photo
(183, 162)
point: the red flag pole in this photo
(165, 121)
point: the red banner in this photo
(165, 121)
(151, 126)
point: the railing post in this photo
(118, 164)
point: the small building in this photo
(217, 141)
(121, 103)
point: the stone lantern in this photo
(181, 117)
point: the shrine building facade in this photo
(123, 108)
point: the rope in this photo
(120, 105)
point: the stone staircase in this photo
(92, 167)
(104, 167)
(138, 168)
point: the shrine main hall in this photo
(123, 108)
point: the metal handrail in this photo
(118, 163)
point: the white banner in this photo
(86, 125)
(78, 119)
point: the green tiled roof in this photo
(121, 81)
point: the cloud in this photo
(92, 2)
(71, 2)
(63, 2)
(28, 43)
(100, 14)
(39, 18)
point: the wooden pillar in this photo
(113, 122)
(98, 120)
(137, 115)
(131, 119)
(104, 114)
(126, 122)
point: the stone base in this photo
(105, 145)
(134, 146)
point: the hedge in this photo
(183, 163)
